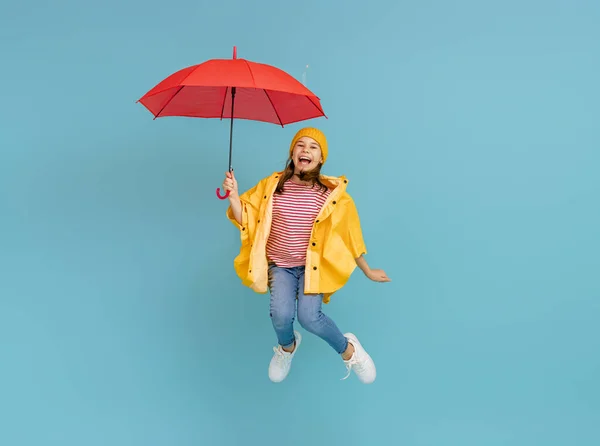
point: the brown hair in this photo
(313, 176)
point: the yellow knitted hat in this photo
(315, 134)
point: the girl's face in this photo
(306, 155)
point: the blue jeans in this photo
(287, 286)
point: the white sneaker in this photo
(360, 362)
(282, 361)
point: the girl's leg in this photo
(283, 285)
(316, 322)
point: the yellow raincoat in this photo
(336, 239)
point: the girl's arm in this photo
(357, 244)
(377, 275)
(243, 209)
(230, 185)
(363, 265)
(236, 207)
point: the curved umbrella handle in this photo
(222, 197)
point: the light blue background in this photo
(469, 130)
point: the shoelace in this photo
(281, 356)
(353, 363)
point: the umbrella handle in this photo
(222, 197)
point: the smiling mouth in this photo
(304, 160)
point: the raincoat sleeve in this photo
(354, 236)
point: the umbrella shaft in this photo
(231, 127)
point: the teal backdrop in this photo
(469, 131)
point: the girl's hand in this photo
(230, 184)
(377, 275)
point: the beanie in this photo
(315, 134)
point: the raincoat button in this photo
(315, 268)
(265, 197)
(258, 221)
(345, 181)
(334, 202)
(317, 221)
(314, 244)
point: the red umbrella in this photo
(233, 88)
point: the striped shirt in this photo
(294, 212)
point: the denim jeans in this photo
(287, 287)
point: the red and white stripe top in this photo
(294, 212)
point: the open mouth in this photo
(304, 160)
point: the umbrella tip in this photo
(235, 52)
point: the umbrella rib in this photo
(316, 106)
(180, 88)
(168, 102)
(251, 73)
(273, 105)
(224, 99)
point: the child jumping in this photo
(301, 240)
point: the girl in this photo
(301, 240)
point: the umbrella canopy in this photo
(263, 93)
(233, 89)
